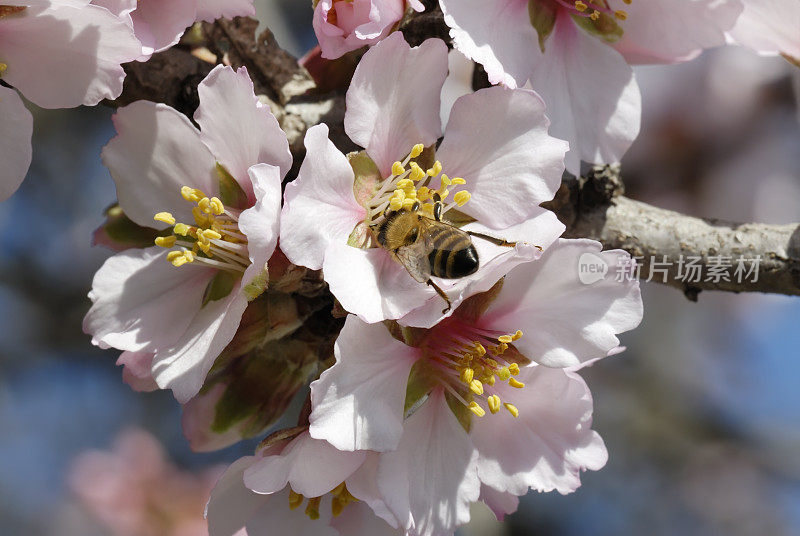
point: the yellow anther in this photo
(295, 499)
(457, 180)
(514, 383)
(494, 403)
(166, 241)
(338, 490)
(181, 229)
(504, 374)
(436, 169)
(172, 255)
(467, 374)
(443, 193)
(505, 338)
(416, 150)
(205, 247)
(165, 217)
(395, 203)
(517, 336)
(205, 205)
(580, 6)
(489, 380)
(627, 1)
(595, 15)
(476, 387)
(512, 409)
(416, 172)
(210, 234)
(461, 198)
(480, 349)
(312, 509)
(476, 409)
(404, 184)
(192, 194)
(446, 180)
(408, 203)
(398, 169)
(400, 194)
(216, 206)
(620, 14)
(424, 193)
(3, 67)
(513, 368)
(501, 348)
(337, 507)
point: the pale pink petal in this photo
(319, 206)
(769, 27)
(261, 222)
(372, 285)
(120, 8)
(666, 32)
(231, 504)
(239, 130)
(275, 517)
(458, 82)
(592, 97)
(394, 98)
(496, 34)
(497, 141)
(566, 322)
(159, 24)
(209, 10)
(16, 129)
(542, 229)
(66, 55)
(183, 366)
(358, 403)
(141, 302)
(358, 23)
(156, 151)
(551, 441)
(199, 413)
(358, 519)
(310, 466)
(363, 485)
(501, 504)
(431, 479)
(136, 370)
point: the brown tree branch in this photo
(590, 207)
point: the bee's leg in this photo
(437, 207)
(441, 293)
(493, 240)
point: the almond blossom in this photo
(496, 144)
(345, 25)
(577, 56)
(58, 54)
(181, 300)
(159, 24)
(300, 485)
(769, 27)
(475, 391)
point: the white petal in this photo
(659, 32)
(67, 55)
(159, 24)
(208, 10)
(183, 366)
(136, 370)
(358, 403)
(310, 466)
(16, 129)
(769, 27)
(319, 205)
(141, 302)
(363, 485)
(260, 223)
(275, 517)
(394, 98)
(496, 34)
(431, 479)
(497, 141)
(156, 151)
(551, 441)
(239, 130)
(231, 504)
(500, 503)
(197, 416)
(566, 322)
(591, 95)
(358, 520)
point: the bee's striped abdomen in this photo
(452, 254)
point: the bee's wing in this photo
(415, 260)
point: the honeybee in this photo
(428, 246)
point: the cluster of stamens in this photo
(341, 498)
(214, 239)
(474, 359)
(409, 186)
(593, 8)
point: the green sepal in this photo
(605, 27)
(543, 19)
(220, 286)
(367, 176)
(257, 286)
(230, 192)
(421, 380)
(120, 232)
(462, 412)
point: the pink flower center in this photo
(471, 360)
(593, 8)
(340, 498)
(214, 240)
(409, 188)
